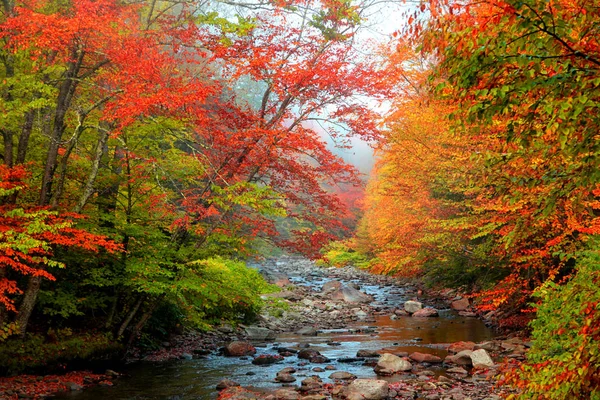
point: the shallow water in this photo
(196, 379)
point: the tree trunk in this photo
(89, 189)
(130, 316)
(145, 317)
(33, 288)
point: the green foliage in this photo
(36, 353)
(564, 360)
(339, 254)
(218, 289)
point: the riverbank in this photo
(326, 329)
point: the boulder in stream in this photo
(412, 307)
(239, 349)
(425, 358)
(390, 364)
(331, 285)
(350, 295)
(342, 375)
(426, 312)
(460, 346)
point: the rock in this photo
(368, 389)
(111, 373)
(276, 278)
(424, 357)
(426, 312)
(457, 370)
(286, 394)
(307, 354)
(361, 315)
(318, 369)
(238, 393)
(307, 331)
(285, 378)
(287, 370)
(72, 386)
(400, 313)
(259, 333)
(460, 346)
(267, 359)
(463, 358)
(187, 356)
(350, 295)
(460, 305)
(239, 349)
(311, 384)
(412, 306)
(481, 359)
(319, 359)
(286, 294)
(389, 364)
(331, 285)
(342, 375)
(469, 314)
(488, 346)
(226, 383)
(367, 353)
(225, 328)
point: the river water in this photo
(196, 379)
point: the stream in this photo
(197, 378)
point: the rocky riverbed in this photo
(332, 333)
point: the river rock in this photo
(239, 349)
(307, 331)
(287, 370)
(412, 306)
(460, 305)
(342, 375)
(308, 353)
(460, 346)
(368, 389)
(424, 357)
(331, 285)
(286, 394)
(350, 295)
(481, 359)
(267, 359)
(367, 353)
(457, 370)
(488, 346)
(389, 364)
(285, 378)
(259, 333)
(426, 312)
(319, 359)
(463, 358)
(311, 384)
(226, 383)
(276, 278)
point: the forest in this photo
(151, 148)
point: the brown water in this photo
(196, 379)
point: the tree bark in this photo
(130, 316)
(26, 308)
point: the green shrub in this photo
(339, 254)
(564, 360)
(219, 289)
